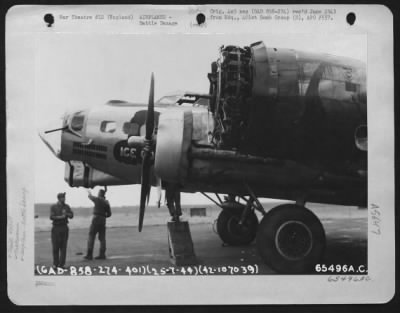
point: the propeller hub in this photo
(136, 142)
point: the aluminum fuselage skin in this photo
(302, 118)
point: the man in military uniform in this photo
(59, 214)
(101, 211)
(173, 197)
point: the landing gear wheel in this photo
(291, 239)
(231, 232)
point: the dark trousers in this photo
(173, 196)
(59, 239)
(98, 226)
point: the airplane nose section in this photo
(51, 136)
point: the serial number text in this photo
(147, 270)
(340, 269)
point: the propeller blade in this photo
(158, 180)
(148, 195)
(147, 155)
(150, 111)
(145, 188)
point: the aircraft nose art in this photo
(51, 136)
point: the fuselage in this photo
(309, 107)
(301, 136)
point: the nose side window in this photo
(77, 122)
(108, 126)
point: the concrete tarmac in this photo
(345, 228)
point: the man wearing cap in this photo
(59, 214)
(101, 211)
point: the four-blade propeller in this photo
(147, 155)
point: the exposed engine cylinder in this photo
(230, 86)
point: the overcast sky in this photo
(79, 71)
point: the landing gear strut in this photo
(291, 239)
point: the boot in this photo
(89, 255)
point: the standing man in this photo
(173, 197)
(59, 214)
(101, 211)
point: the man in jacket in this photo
(101, 211)
(59, 214)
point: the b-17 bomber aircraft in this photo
(276, 123)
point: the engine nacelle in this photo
(174, 137)
(78, 174)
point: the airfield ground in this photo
(345, 227)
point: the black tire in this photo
(231, 232)
(291, 239)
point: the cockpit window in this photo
(77, 122)
(168, 100)
(182, 99)
(108, 126)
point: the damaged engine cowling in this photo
(230, 86)
(287, 104)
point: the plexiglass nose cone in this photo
(51, 136)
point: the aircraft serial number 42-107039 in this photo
(276, 123)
